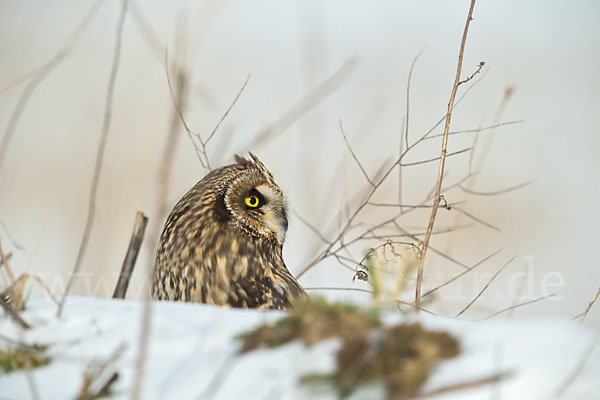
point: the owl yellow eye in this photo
(252, 201)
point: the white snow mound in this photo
(193, 355)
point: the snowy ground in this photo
(192, 354)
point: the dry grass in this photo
(21, 357)
(401, 356)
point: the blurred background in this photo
(311, 65)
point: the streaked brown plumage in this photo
(222, 243)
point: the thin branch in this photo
(460, 99)
(436, 251)
(201, 151)
(173, 135)
(474, 218)
(239, 93)
(146, 30)
(100, 375)
(327, 252)
(178, 108)
(458, 387)
(400, 151)
(435, 159)
(478, 70)
(436, 201)
(515, 306)
(12, 239)
(407, 116)
(13, 314)
(42, 74)
(354, 155)
(24, 77)
(308, 102)
(340, 288)
(589, 307)
(508, 92)
(485, 287)
(131, 256)
(486, 128)
(378, 181)
(510, 189)
(99, 154)
(310, 226)
(587, 352)
(416, 234)
(219, 378)
(411, 205)
(142, 353)
(4, 261)
(460, 275)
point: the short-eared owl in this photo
(222, 243)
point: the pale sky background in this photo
(549, 51)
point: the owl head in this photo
(250, 198)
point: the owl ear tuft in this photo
(241, 160)
(255, 162)
(258, 163)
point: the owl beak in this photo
(284, 222)
(282, 228)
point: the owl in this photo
(222, 242)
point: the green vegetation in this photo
(21, 357)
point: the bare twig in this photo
(589, 307)
(308, 102)
(508, 92)
(4, 261)
(436, 201)
(13, 314)
(219, 378)
(435, 289)
(486, 128)
(458, 387)
(515, 306)
(146, 30)
(485, 287)
(435, 159)
(46, 289)
(343, 229)
(97, 382)
(407, 116)
(42, 74)
(10, 238)
(354, 155)
(400, 178)
(349, 224)
(587, 352)
(497, 192)
(237, 96)
(310, 226)
(340, 289)
(200, 147)
(23, 77)
(471, 183)
(99, 155)
(143, 343)
(474, 218)
(410, 205)
(131, 256)
(33, 388)
(181, 85)
(478, 70)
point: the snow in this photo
(192, 354)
